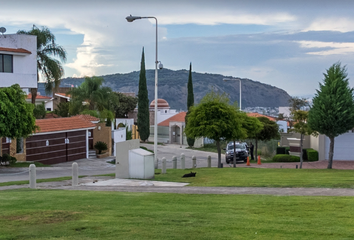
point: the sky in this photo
(287, 44)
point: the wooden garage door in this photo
(56, 148)
(76, 148)
(47, 149)
(5, 146)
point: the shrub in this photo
(312, 155)
(280, 150)
(145, 148)
(285, 158)
(287, 149)
(100, 146)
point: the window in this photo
(6, 63)
(19, 145)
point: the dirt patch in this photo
(43, 217)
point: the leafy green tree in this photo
(39, 111)
(270, 131)
(63, 109)
(143, 103)
(48, 53)
(250, 126)
(90, 95)
(214, 118)
(190, 102)
(332, 111)
(301, 126)
(16, 115)
(125, 105)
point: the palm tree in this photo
(92, 96)
(47, 64)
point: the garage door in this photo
(343, 147)
(56, 147)
(5, 146)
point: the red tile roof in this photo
(18, 50)
(62, 124)
(29, 96)
(179, 117)
(261, 115)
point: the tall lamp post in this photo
(131, 19)
(235, 79)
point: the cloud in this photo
(329, 48)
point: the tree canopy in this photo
(213, 118)
(126, 104)
(50, 56)
(90, 95)
(269, 131)
(332, 111)
(190, 101)
(16, 115)
(143, 103)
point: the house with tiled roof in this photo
(48, 101)
(18, 60)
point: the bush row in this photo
(285, 158)
(308, 154)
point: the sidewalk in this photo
(128, 185)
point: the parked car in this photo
(241, 152)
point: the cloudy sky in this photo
(288, 44)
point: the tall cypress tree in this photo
(143, 103)
(190, 102)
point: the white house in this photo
(48, 101)
(18, 60)
(163, 110)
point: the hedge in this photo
(280, 150)
(312, 155)
(285, 158)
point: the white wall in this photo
(118, 135)
(343, 147)
(162, 115)
(24, 65)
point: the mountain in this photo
(172, 87)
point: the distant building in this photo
(18, 60)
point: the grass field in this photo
(262, 177)
(54, 214)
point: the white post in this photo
(194, 160)
(156, 77)
(174, 161)
(32, 176)
(183, 161)
(209, 161)
(75, 174)
(163, 171)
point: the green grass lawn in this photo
(262, 177)
(57, 214)
(38, 181)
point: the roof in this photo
(63, 124)
(161, 103)
(179, 117)
(261, 115)
(63, 95)
(87, 117)
(29, 96)
(51, 115)
(14, 50)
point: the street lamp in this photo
(235, 79)
(131, 19)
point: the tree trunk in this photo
(301, 151)
(255, 154)
(219, 153)
(331, 152)
(234, 154)
(34, 95)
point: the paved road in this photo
(93, 166)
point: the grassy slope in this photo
(48, 214)
(258, 177)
